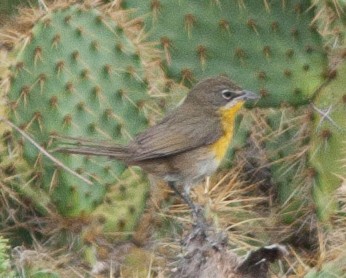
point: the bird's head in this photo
(219, 93)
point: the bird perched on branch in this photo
(188, 144)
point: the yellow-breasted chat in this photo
(189, 143)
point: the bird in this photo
(188, 144)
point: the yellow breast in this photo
(227, 117)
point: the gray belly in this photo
(194, 168)
(186, 169)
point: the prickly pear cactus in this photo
(127, 197)
(9, 6)
(76, 74)
(267, 46)
(336, 268)
(5, 264)
(285, 140)
(327, 152)
(305, 150)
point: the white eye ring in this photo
(227, 94)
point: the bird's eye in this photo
(227, 94)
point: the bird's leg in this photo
(197, 212)
(184, 195)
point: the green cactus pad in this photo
(125, 200)
(285, 141)
(266, 46)
(10, 6)
(77, 75)
(328, 149)
(334, 268)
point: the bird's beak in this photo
(246, 95)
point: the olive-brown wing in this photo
(175, 134)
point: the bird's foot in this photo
(198, 216)
(200, 224)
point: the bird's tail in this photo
(82, 146)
